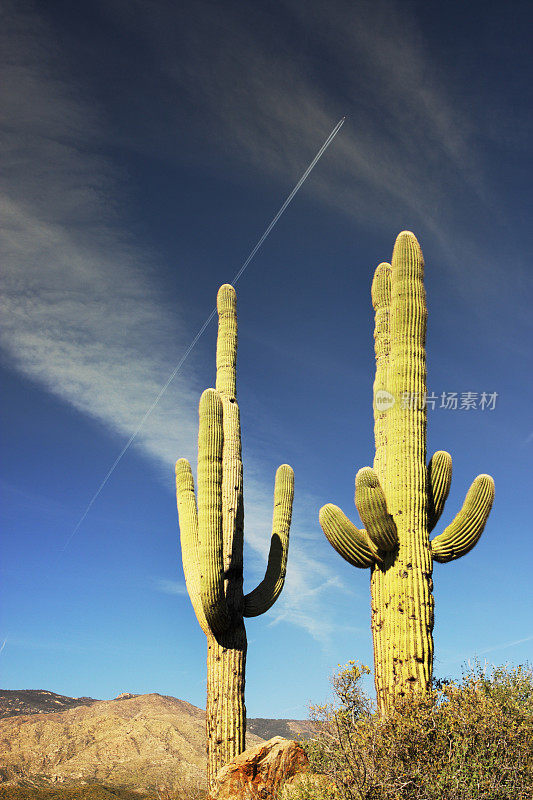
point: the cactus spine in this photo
(212, 546)
(401, 499)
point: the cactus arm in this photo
(232, 473)
(372, 506)
(349, 542)
(439, 478)
(463, 533)
(381, 297)
(188, 521)
(232, 503)
(266, 593)
(227, 341)
(380, 577)
(210, 555)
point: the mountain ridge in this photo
(133, 741)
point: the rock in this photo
(260, 771)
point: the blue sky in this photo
(147, 146)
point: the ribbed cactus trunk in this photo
(401, 499)
(226, 651)
(226, 709)
(212, 536)
(402, 603)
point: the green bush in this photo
(465, 740)
(93, 792)
(96, 792)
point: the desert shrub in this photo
(98, 792)
(93, 792)
(465, 740)
(189, 793)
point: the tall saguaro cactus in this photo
(212, 546)
(401, 499)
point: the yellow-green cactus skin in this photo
(212, 534)
(401, 499)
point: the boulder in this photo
(259, 772)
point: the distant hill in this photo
(289, 728)
(37, 701)
(134, 741)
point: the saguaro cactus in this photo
(212, 546)
(401, 499)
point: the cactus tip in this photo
(406, 238)
(366, 477)
(181, 464)
(488, 482)
(226, 297)
(381, 286)
(324, 512)
(405, 234)
(210, 399)
(285, 468)
(406, 251)
(208, 393)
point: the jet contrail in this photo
(180, 363)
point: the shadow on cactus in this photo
(401, 499)
(212, 534)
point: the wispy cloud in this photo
(406, 139)
(309, 575)
(168, 586)
(307, 582)
(505, 646)
(82, 311)
(457, 659)
(411, 154)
